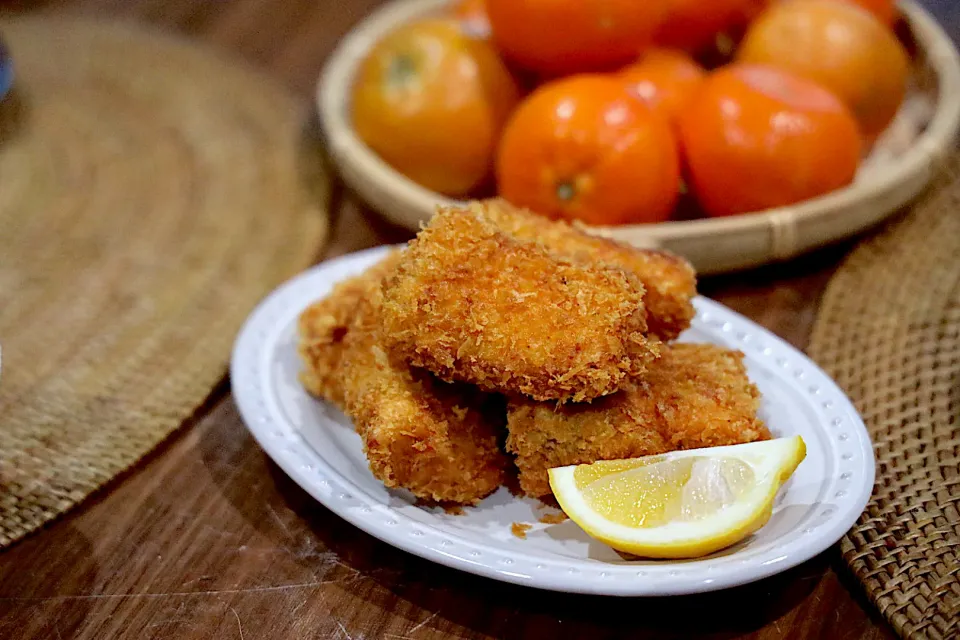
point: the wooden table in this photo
(208, 539)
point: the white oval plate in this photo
(317, 447)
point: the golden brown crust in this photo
(542, 435)
(669, 280)
(323, 328)
(693, 396)
(440, 441)
(704, 398)
(473, 304)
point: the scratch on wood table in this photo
(168, 594)
(239, 626)
(344, 630)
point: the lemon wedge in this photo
(683, 504)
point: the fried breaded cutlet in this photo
(440, 441)
(474, 304)
(670, 281)
(693, 396)
(323, 326)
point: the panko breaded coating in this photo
(473, 304)
(543, 436)
(705, 399)
(694, 396)
(669, 280)
(323, 327)
(440, 441)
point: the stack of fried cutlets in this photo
(499, 341)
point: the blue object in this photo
(6, 70)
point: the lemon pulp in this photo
(656, 492)
(679, 504)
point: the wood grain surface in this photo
(208, 539)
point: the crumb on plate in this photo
(553, 518)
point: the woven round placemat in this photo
(150, 194)
(889, 332)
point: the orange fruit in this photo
(472, 14)
(557, 37)
(582, 148)
(758, 137)
(665, 79)
(694, 24)
(431, 101)
(885, 10)
(839, 45)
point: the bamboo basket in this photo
(899, 166)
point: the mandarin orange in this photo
(694, 25)
(885, 10)
(838, 45)
(665, 79)
(582, 148)
(556, 37)
(472, 14)
(758, 137)
(431, 101)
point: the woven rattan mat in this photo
(889, 333)
(150, 194)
